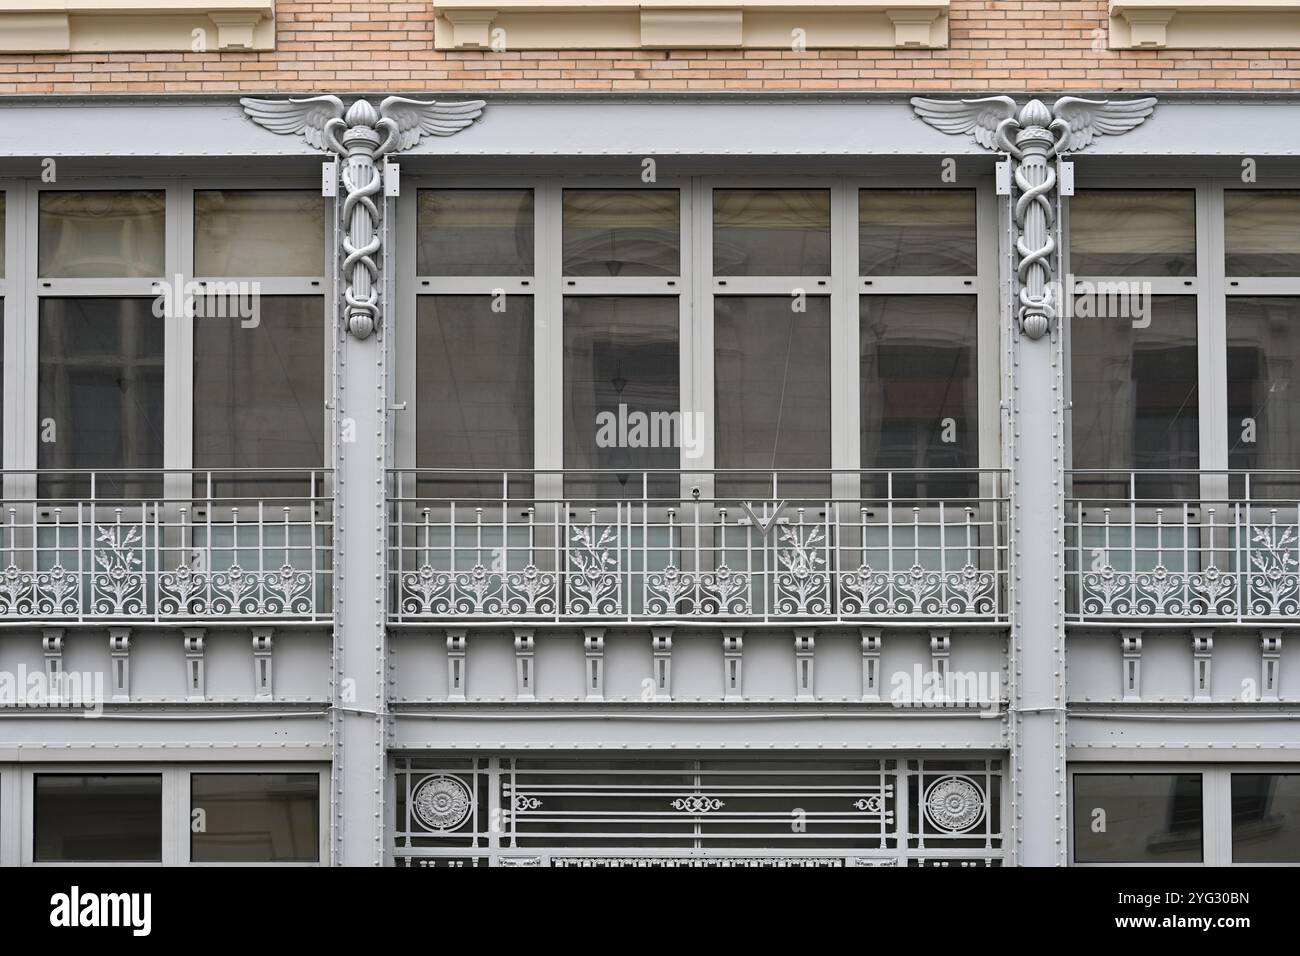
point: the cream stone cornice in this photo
(93, 26)
(681, 24)
(1204, 24)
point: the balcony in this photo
(1189, 546)
(719, 547)
(190, 547)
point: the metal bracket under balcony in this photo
(698, 547)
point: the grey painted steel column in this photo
(1033, 138)
(361, 137)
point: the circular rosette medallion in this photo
(954, 804)
(441, 802)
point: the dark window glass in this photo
(622, 409)
(1133, 232)
(95, 817)
(919, 391)
(771, 232)
(101, 394)
(1137, 818)
(259, 392)
(1264, 384)
(916, 232)
(259, 232)
(1261, 232)
(772, 393)
(101, 233)
(255, 817)
(1135, 399)
(474, 232)
(2, 235)
(1266, 818)
(474, 392)
(622, 232)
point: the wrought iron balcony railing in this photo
(700, 547)
(1183, 546)
(176, 546)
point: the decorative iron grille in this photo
(654, 810)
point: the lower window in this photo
(255, 818)
(89, 818)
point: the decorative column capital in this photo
(361, 136)
(1034, 136)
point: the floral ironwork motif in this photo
(954, 804)
(593, 572)
(119, 582)
(697, 804)
(442, 802)
(802, 583)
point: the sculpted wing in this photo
(414, 117)
(306, 115)
(979, 117)
(1088, 119)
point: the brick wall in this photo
(337, 46)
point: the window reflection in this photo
(1149, 818)
(772, 394)
(1265, 818)
(622, 406)
(622, 232)
(474, 392)
(1135, 399)
(97, 817)
(101, 234)
(919, 390)
(100, 384)
(771, 232)
(1263, 390)
(1261, 232)
(916, 232)
(1133, 232)
(474, 232)
(259, 232)
(259, 394)
(256, 817)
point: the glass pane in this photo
(1265, 818)
(771, 232)
(100, 234)
(2, 235)
(100, 383)
(259, 232)
(473, 390)
(256, 817)
(916, 232)
(259, 392)
(1263, 383)
(474, 232)
(1148, 817)
(1133, 232)
(1261, 232)
(621, 404)
(622, 232)
(1135, 399)
(96, 817)
(772, 393)
(919, 386)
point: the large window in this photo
(86, 818)
(623, 334)
(1152, 818)
(255, 817)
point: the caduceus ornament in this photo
(361, 136)
(1034, 137)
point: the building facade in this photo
(633, 433)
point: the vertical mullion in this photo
(1212, 371)
(846, 452)
(701, 286)
(548, 331)
(405, 327)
